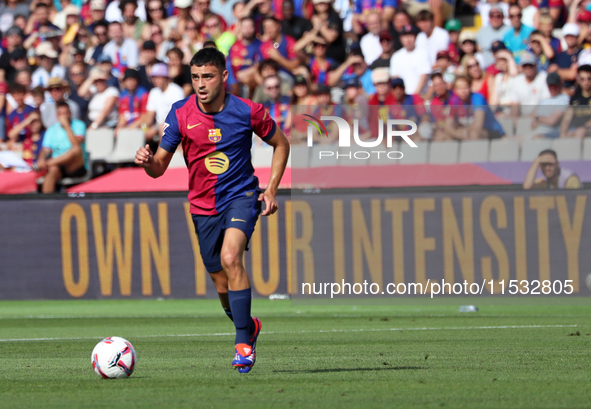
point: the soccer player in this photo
(215, 129)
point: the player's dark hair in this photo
(268, 63)
(424, 15)
(209, 56)
(550, 151)
(584, 68)
(60, 104)
(17, 89)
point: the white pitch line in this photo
(303, 332)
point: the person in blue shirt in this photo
(517, 38)
(470, 117)
(63, 152)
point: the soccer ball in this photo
(113, 357)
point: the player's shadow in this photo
(386, 368)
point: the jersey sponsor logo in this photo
(193, 126)
(215, 135)
(217, 162)
(237, 220)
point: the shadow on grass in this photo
(387, 368)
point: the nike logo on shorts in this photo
(238, 220)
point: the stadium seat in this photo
(523, 127)
(262, 157)
(355, 152)
(381, 159)
(532, 148)
(178, 160)
(567, 149)
(414, 155)
(316, 162)
(474, 151)
(443, 152)
(127, 143)
(504, 150)
(507, 124)
(299, 156)
(587, 149)
(99, 143)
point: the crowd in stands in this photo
(67, 66)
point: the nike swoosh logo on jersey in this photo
(238, 220)
(192, 126)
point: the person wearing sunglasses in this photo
(489, 34)
(517, 38)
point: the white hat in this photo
(98, 5)
(183, 4)
(46, 49)
(379, 75)
(467, 35)
(571, 29)
(71, 10)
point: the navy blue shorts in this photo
(242, 214)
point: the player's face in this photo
(208, 82)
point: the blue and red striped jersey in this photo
(242, 56)
(216, 147)
(16, 117)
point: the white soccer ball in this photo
(113, 357)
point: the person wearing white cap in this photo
(46, 56)
(60, 18)
(529, 88)
(565, 62)
(160, 100)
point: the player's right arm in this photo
(156, 164)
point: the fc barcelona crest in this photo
(215, 135)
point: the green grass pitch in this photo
(308, 356)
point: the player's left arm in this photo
(281, 148)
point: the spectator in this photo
(213, 31)
(565, 62)
(410, 63)
(516, 39)
(122, 51)
(541, 48)
(354, 66)
(177, 24)
(10, 10)
(529, 88)
(97, 14)
(224, 8)
(507, 71)
(485, 9)
(320, 66)
(482, 83)
(302, 96)
(106, 64)
(258, 10)
(439, 104)
(265, 69)
(245, 53)
(15, 133)
(445, 66)
(77, 76)
(468, 47)
(18, 63)
(31, 145)
(38, 19)
(160, 100)
(293, 25)
(577, 118)
(278, 47)
(155, 14)
(441, 9)
(528, 12)
(489, 34)
(327, 23)
(132, 25)
(277, 105)
(13, 41)
(102, 108)
(192, 41)
(114, 11)
(547, 115)
(201, 11)
(23, 78)
(68, 16)
(546, 27)
(370, 42)
(362, 10)
(454, 27)
(56, 88)
(387, 44)
(179, 73)
(555, 177)
(470, 116)
(354, 95)
(48, 68)
(102, 38)
(133, 101)
(63, 151)
(431, 38)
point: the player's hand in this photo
(144, 156)
(271, 205)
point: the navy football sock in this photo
(240, 305)
(229, 314)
